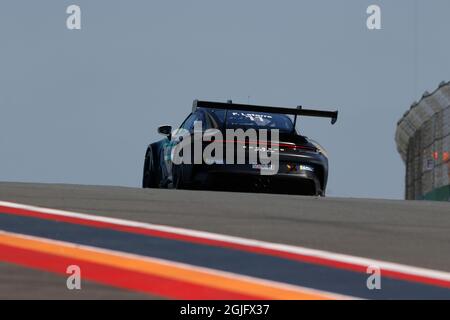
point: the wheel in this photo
(177, 176)
(150, 175)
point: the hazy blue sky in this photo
(81, 106)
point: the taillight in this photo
(290, 146)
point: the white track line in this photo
(336, 257)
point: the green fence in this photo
(441, 194)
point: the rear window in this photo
(257, 120)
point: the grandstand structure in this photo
(423, 141)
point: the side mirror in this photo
(165, 130)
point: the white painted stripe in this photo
(185, 266)
(336, 257)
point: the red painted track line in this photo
(122, 278)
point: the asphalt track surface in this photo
(405, 232)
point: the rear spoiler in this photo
(299, 111)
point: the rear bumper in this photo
(246, 178)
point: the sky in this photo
(81, 106)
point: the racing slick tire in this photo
(177, 174)
(150, 174)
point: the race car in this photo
(301, 163)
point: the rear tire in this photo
(150, 176)
(177, 175)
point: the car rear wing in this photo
(299, 111)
